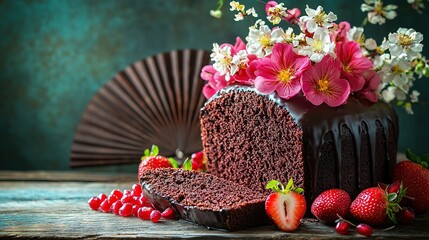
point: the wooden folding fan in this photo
(153, 101)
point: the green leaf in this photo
(412, 156)
(187, 165)
(173, 162)
(299, 190)
(422, 160)
(391, 197)
(146, 153)
(154, 151)
(289, 185)
(273, 185)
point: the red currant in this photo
(105, 206)
(94, 203)
(117, 193)
(144, 213)
(136, 210)
(127, 199)
(136, 189)
(102, 197)
(116, 206)
(364, 229)
(168, 213)
(342, 227)
(112, 198)
(143, 201)
(155, 216)
(406, 216)
(126, 210)
(128, 192)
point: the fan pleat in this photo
(153, 101)
(122, 123)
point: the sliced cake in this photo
(204, 199)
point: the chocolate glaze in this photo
(319, 121)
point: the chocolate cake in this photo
(204, 199)
(251, 138)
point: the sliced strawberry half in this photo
(286, 206)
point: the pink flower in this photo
(281, 72)
(372, 81)
(269, 5)
(340, 34)
(293, 15)
(321, 83)
(239, 45)
(353, 64)
(215, 81)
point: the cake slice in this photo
(205, 199)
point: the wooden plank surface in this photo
(58, 209)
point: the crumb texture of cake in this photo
(251, 138)
(204, 198)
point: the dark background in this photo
(56, 54)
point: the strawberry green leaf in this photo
(299, 190)
(392, 197)
(146, 153)
(173, 162)
(412, 156)
(273, 185)
(422, 160)
(187, 165)
(289, 185)
(154, 151)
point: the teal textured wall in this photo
(55, 55)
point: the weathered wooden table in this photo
(53, 205)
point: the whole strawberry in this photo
(151, 160)
(414, 175)
(374, 205)
(286, 206)
(330, 204)
(199, 160)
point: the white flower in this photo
(380, 60)
(395, 71)
(238, 17)
(276, 13)
(225, 63)
(370, 44)
(236, 6)
(405, 43)
(356, 34)
(317, 18)
(318, 46)
(389, 94)
(408, 108)
(260, 41)
(377, 13)
(251, 12)
(288, 36)
(414, 96)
